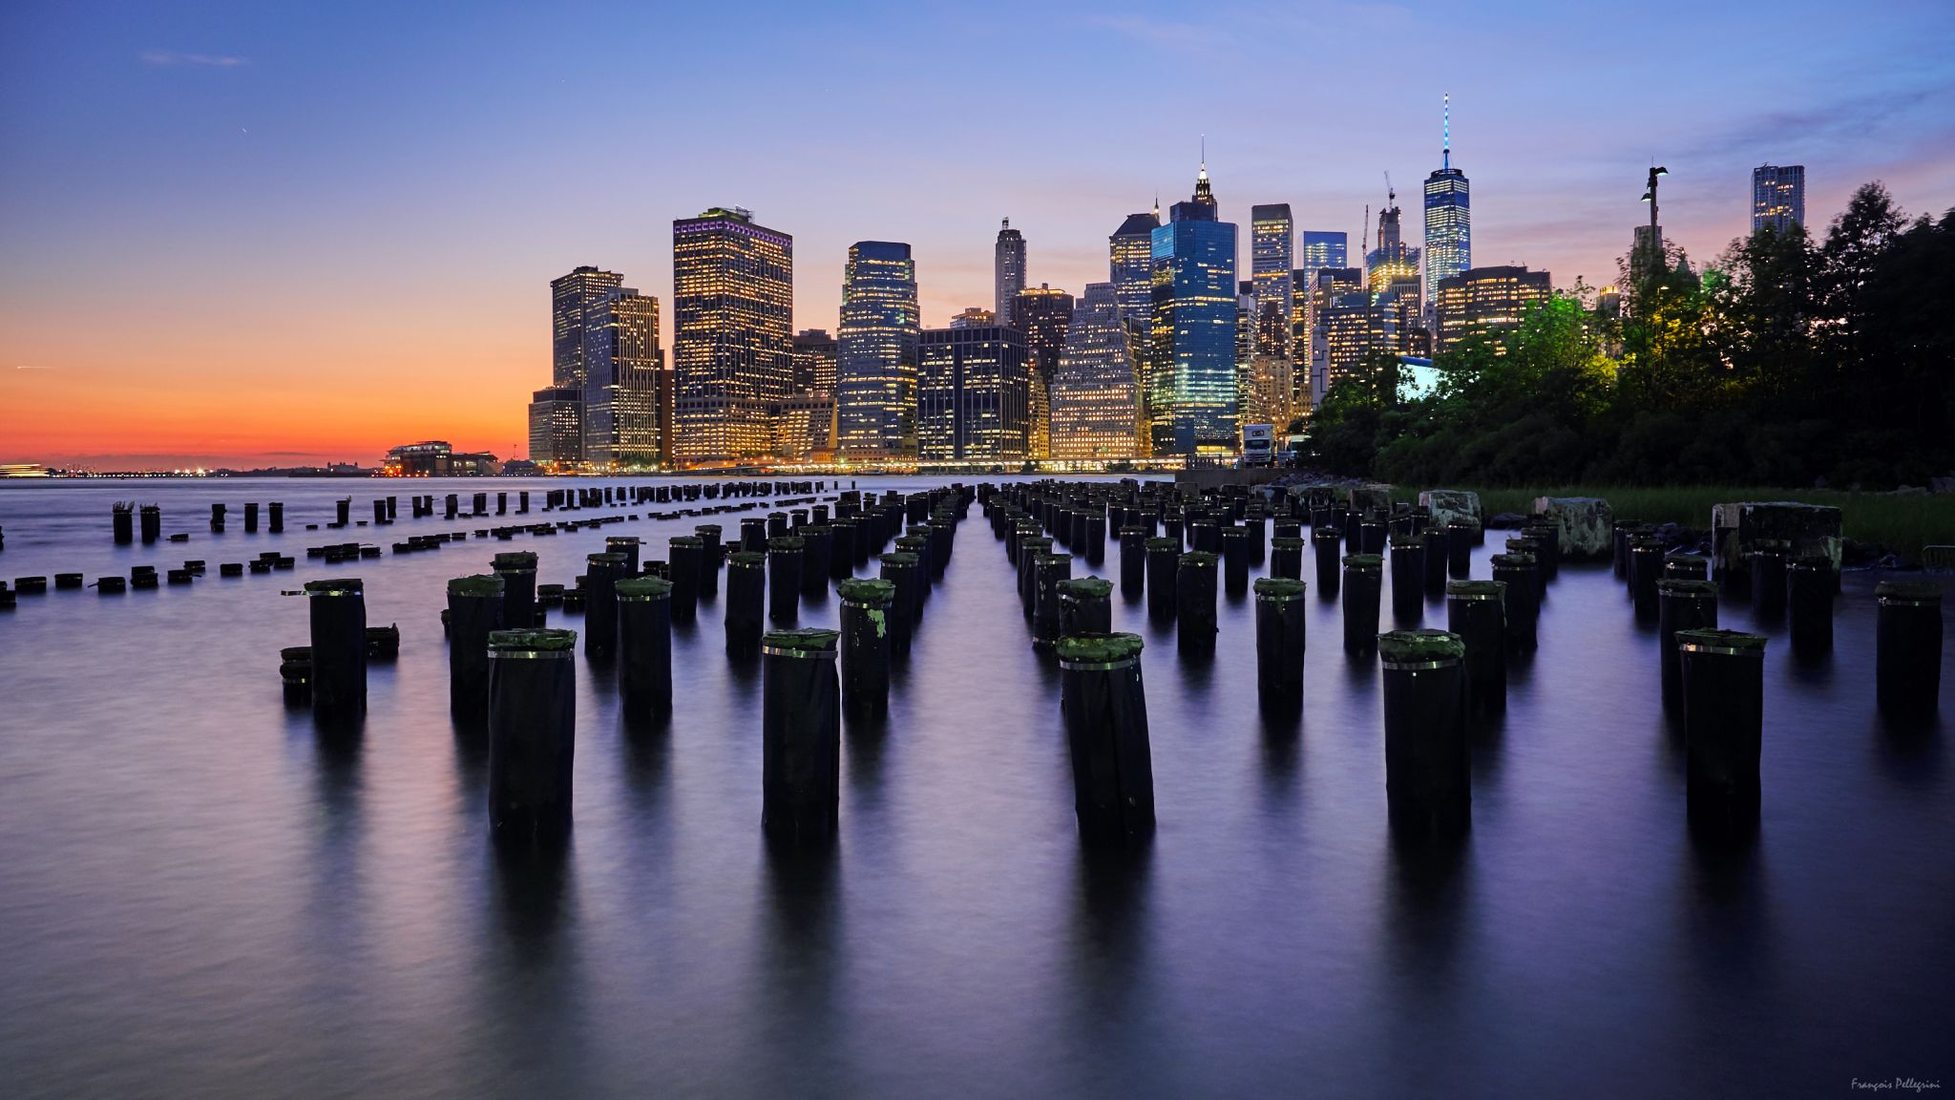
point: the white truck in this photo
(1258, 445)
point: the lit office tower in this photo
(1272, 256)
(973, 394)
(732, 322)
(1318, 249)
(1330, 285)
(1486, 300)
(556, 427)
(814, 361)
(875, 353)
(1130, 265)
(1778, 196)
(1355, 326)
(627, 396)
(1008, 270)
(571, 299)
(1042, 313)
(1095, 390)
(1192, 377)
(1449, 215)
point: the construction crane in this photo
(1391, 196)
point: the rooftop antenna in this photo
(1391, 196)
(1446, 131)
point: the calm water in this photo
(199, 897)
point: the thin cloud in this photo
(169, 58)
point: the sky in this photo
(249, 233)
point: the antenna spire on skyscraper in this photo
(1446, 130)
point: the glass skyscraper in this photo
(1272, 254)
(1043, 314)
(571, 299)
(1192, 385)
(627, 399)
(973, 400)
(1008, 270)
(875, 353)
(1095, 390)
(1778, 196)
(732, 321)
(1485, 300)
(1449, 217)
(1130, 265)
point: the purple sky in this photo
(215, 206)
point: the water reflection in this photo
(1110, 931)
(1426, 890)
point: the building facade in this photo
(1130, 266)
(814, 361)
(1486, 300)
(1778, 196)
(876, 354)
(1272, 262)
(1449, 226)
(1096, 386)
(1008, 269)
(627, 394)
(732, 321)
(1043, 314)
(556, 427)
(1191, 387)
(571, 298)
(974, 394)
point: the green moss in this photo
(1279, 588)
(644, 588)
(901, 557)
(1412, 646)
(607, 559)
(817, 531)
(481, 584)
(1098, 648)
(805, 640)
(746, 557)
(340, 586)
(1914, 591)
(1286, 542)
(1164, 543)
(686, 541)
(708, 529)
(1683, 586)
(515, 560)
(1722, 639)
(1476, 588)
(876, 593)
(1201, 559)
(532, 641)
(1514, 561)
(1086, 588)
(787, 542)
(1372, 562)
(1065, 559)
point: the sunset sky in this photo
(279, 234)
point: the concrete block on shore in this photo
(1447, 505)
(1586, 525)
(1808, 530)
(1371, 500)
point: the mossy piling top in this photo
(1098, 648)
(1909, 592)
(337, 586)
(1477, 589)
(1086, 588)
(746, 557)
(1364, 561)
(1686, 586)
(1163, 543)
(532, 641)
(787, 542)
(867, 590)
(1278, 588)
(1200, 558)
(480, 584)
(1722, 641)
(644, 587)
(808, 641)
(515, 559)
(1416, 646)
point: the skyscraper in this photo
(973, 394)
(732, 316)
(626, 394)
(1355, 327)
(1272, 254)
(1449, 215)
(1778, 196)
(1008, 270)
(1130, 265)
(1321, 248)
(1043, 314)
(1331, 285)
(571, 298)
(1095, 390)
(1486, 299)
(1191, 390)
(556, 427)
(814, 361)
(875, 355)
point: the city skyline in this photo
(194, 157)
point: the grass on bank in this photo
(1899, 522)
